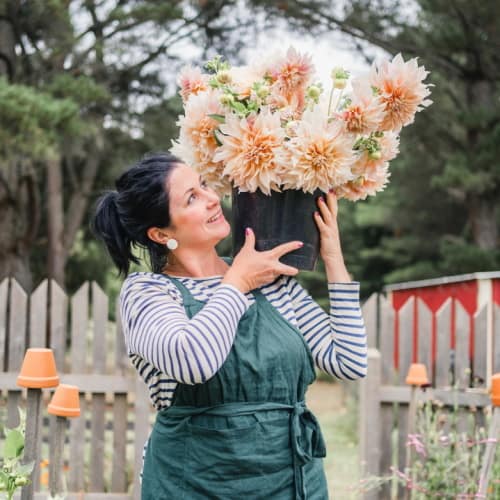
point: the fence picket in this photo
(38, 316)
(443, 352)
(79, 326)
(99, 320)
(17, 344)
(370, 314)
(462, 332)
(58, 324)
(496, 338)
(479, 364)
(388, 376)
(406, 318)
(119, 465)
(462, 360)
(425, 336)
(4, 289)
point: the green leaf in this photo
(14, 444)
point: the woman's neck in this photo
(191, 265)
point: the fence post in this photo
(369, 435)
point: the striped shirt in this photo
(166, 347)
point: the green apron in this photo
(245, 433)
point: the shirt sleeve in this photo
(337, 340)
(157, 328)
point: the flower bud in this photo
(223, 77)
(21, 481)
(339, 83)
(313, 92)
(263, 91)
(339, 77)
(226, 99)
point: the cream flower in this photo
(365, 112)
(401, 89)
(365, 185)
(191, 82)
(320, 154)
(197, 143)
(290, 76)
(252, 151)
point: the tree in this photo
(445, 189)
(106, 61)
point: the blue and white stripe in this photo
(167, 348)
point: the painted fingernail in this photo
(247, 231)
(300, 244)
(316, 213)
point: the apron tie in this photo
(307, 443)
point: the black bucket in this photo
(276, 219)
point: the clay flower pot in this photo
(417, 375)
(38, 370)
(495, 389)
(65, 402)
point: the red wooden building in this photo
(473, 291)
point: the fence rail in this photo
(107, 440)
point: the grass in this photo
(337, 415)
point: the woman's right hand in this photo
(252, 269)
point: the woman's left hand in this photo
(326, 220)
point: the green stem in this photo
(330, 100)
(338, 100)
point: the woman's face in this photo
(196, 217)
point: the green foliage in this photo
(13, 474)
(32, 122)
(447, 462)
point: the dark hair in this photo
(141, 201)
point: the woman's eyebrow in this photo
(192, 188)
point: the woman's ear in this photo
(157, 235)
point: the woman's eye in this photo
(191, 198)
(204, 184)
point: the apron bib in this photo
(245, 433)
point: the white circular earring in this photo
(172, 244)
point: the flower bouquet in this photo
(270, 134)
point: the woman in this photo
(227, 348)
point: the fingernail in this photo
(247, 231)
(331, 190)
(300, 244)
(316, 213)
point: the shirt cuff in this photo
(344, 290)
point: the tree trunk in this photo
(56, 256)
(19, 222)
(483, 221)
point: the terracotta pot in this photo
(417, 375)
(38, 370)
(495, 389)
(65, 402)
(276, 219)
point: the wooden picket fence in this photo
(458, 378)
(103, 450)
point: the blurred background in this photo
(87, 87)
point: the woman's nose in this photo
(213, 197)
